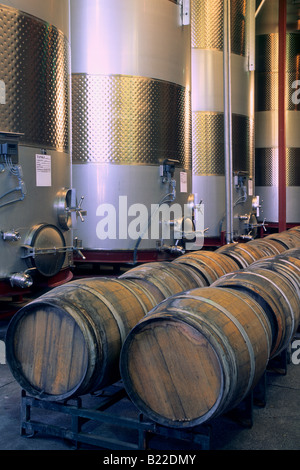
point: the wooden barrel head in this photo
(68, 341)
(178, 354)
(47, 351)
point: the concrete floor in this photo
(276, 426)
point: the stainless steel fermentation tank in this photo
(223, 48)
(267, 107)
(35, 169)
(131, 125)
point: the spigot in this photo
(11, 236)
(22, 280)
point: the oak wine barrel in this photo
(287, 238)
(195, 356)
(295, 230)
(168, 277)
(277, 297)
(243, 254)
(288, 267)
(209, 264)
(68, 341)
(291, 253)
(268, 247)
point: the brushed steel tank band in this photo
(126, 120)
(35, 58)
(207, 26)
(267, 71)
(208, 143)
(267, 166)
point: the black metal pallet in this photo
(139, 430)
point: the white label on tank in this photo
(2, 92)
(250, 187)
(183, 182)
(43, 170)
(2, 353)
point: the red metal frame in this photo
(215, 241)
(122, 256)
(146, 256)
(281, 116)
(273, 227)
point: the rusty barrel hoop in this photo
(169, 278)
(209, 264)
(287, 239)
(195, 356)
(288, 267)
(294, 230)
(293, 253)
(243, 253)
(268, 247)
(143, 288)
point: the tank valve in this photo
(247, 237)
(22, 280)
(77, 247)
(78, 210)
(167, 170)
(175, 250)
(12, 236)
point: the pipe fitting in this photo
(22, 280)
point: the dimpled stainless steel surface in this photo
(267, 71)
(293, 69)
(207, 25)
(34, 58)
(266, 107)
(293, 166)
(208, 143)
(126, 120)
(267, 167)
